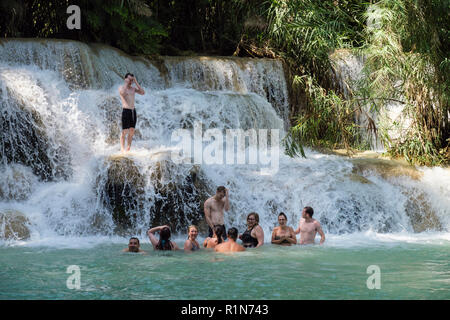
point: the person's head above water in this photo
(192, 232)
(232, 233)
(282, 219)
(218, 230)
(164, 239)
(252, 219)
(221, 192)
(133, 244)
(307, 211)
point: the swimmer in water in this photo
(164, 242)
(217, 238)
(253, 237)
(134, 246)
(231, 245)
(309, 227)
(283, 235)
(191, 244)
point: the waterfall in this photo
(62, 173)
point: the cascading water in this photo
(62, 173)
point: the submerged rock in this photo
(14, 225)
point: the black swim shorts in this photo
(128, 118)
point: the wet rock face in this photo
(13, 225)
(23, 140)
(419, 211)
(417, 205)
(112, 109)
(179, 196)
(16, 182)
(385, 168)
(162, 193)
(123, 192)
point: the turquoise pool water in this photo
(337, 270)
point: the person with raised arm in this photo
(164, 242)
(129, 119)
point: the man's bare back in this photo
(229, 246)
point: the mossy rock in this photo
(181, 191)
(420, 213)
(123, 191)
(385, 168)
(14, 225)
(162, 193)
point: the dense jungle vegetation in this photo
(405, 45)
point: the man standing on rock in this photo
(127, 92)
(214, 209)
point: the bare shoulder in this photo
(316, 223)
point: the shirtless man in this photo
(134, 246)
(214, 209)
(308, 227)
(126, 93)
(231, 245)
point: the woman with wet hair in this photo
(216, 239)
(283, 235)
(164, 242)
(191, 243)
(253, 237)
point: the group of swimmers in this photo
(226, 241)
(214, 207)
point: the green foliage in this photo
(328, 122)
(407, 60)
(305, 32)
(125, 24)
